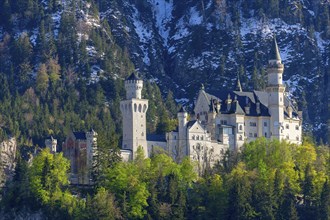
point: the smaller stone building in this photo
(51, 143)
(80, 149)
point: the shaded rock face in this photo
(7, 160)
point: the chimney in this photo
(218, 106)
(247, 108)
(258, 107)
(228, 102)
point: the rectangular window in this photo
(265, 124)
(255, 135)
(223, 122)
(287, 127)
(250, 135)
(253, 124)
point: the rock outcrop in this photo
(7, 160)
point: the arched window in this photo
(144, 108)
(135, 107)
(140, 108)
(240, 127)
(193, 137)
(202, 137)
(197, 138)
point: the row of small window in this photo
(256, 135)
(252, 135)
(287, 137)
(197, 137)
(254, 124)
(288, 127)
(198, 147)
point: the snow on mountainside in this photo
(184, 43)
(181, 44)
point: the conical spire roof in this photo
(274, 52)
(133, 76)
(238, 85)
(182, 110)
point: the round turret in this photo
(133, 86)
(275, 67)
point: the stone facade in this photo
(134, 110)
(51, 143)
(81, 148)
(221, 120)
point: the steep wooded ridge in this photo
(181, 44)
(177, 44)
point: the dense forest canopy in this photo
(267, 180)
(62, 65)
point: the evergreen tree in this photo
(324, 207)
(42, 79)
(287, 209)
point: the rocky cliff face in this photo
(7, 160)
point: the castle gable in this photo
(195, 127)
(203, 102)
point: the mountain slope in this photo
(183, 44)
(177, 44)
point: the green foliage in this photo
(48, 176)
(102, 206)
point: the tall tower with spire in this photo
(275, 90)
(134, 110)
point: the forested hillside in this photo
(59, 56)
(267, 180)
(62, 65)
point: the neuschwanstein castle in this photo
(222, 120)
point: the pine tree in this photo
(287, 209)
(42, 79)
(324, 204)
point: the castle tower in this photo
(211, 118)
(51, 143)
(134, 110)
(91, 153)
(182, 128)
(275, 90)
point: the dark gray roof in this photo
(236, 108)
(182, 109)
(274, 52)
(243, 99)
(79, 135)
(191, 123)
(133, 76)
(156, 137)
